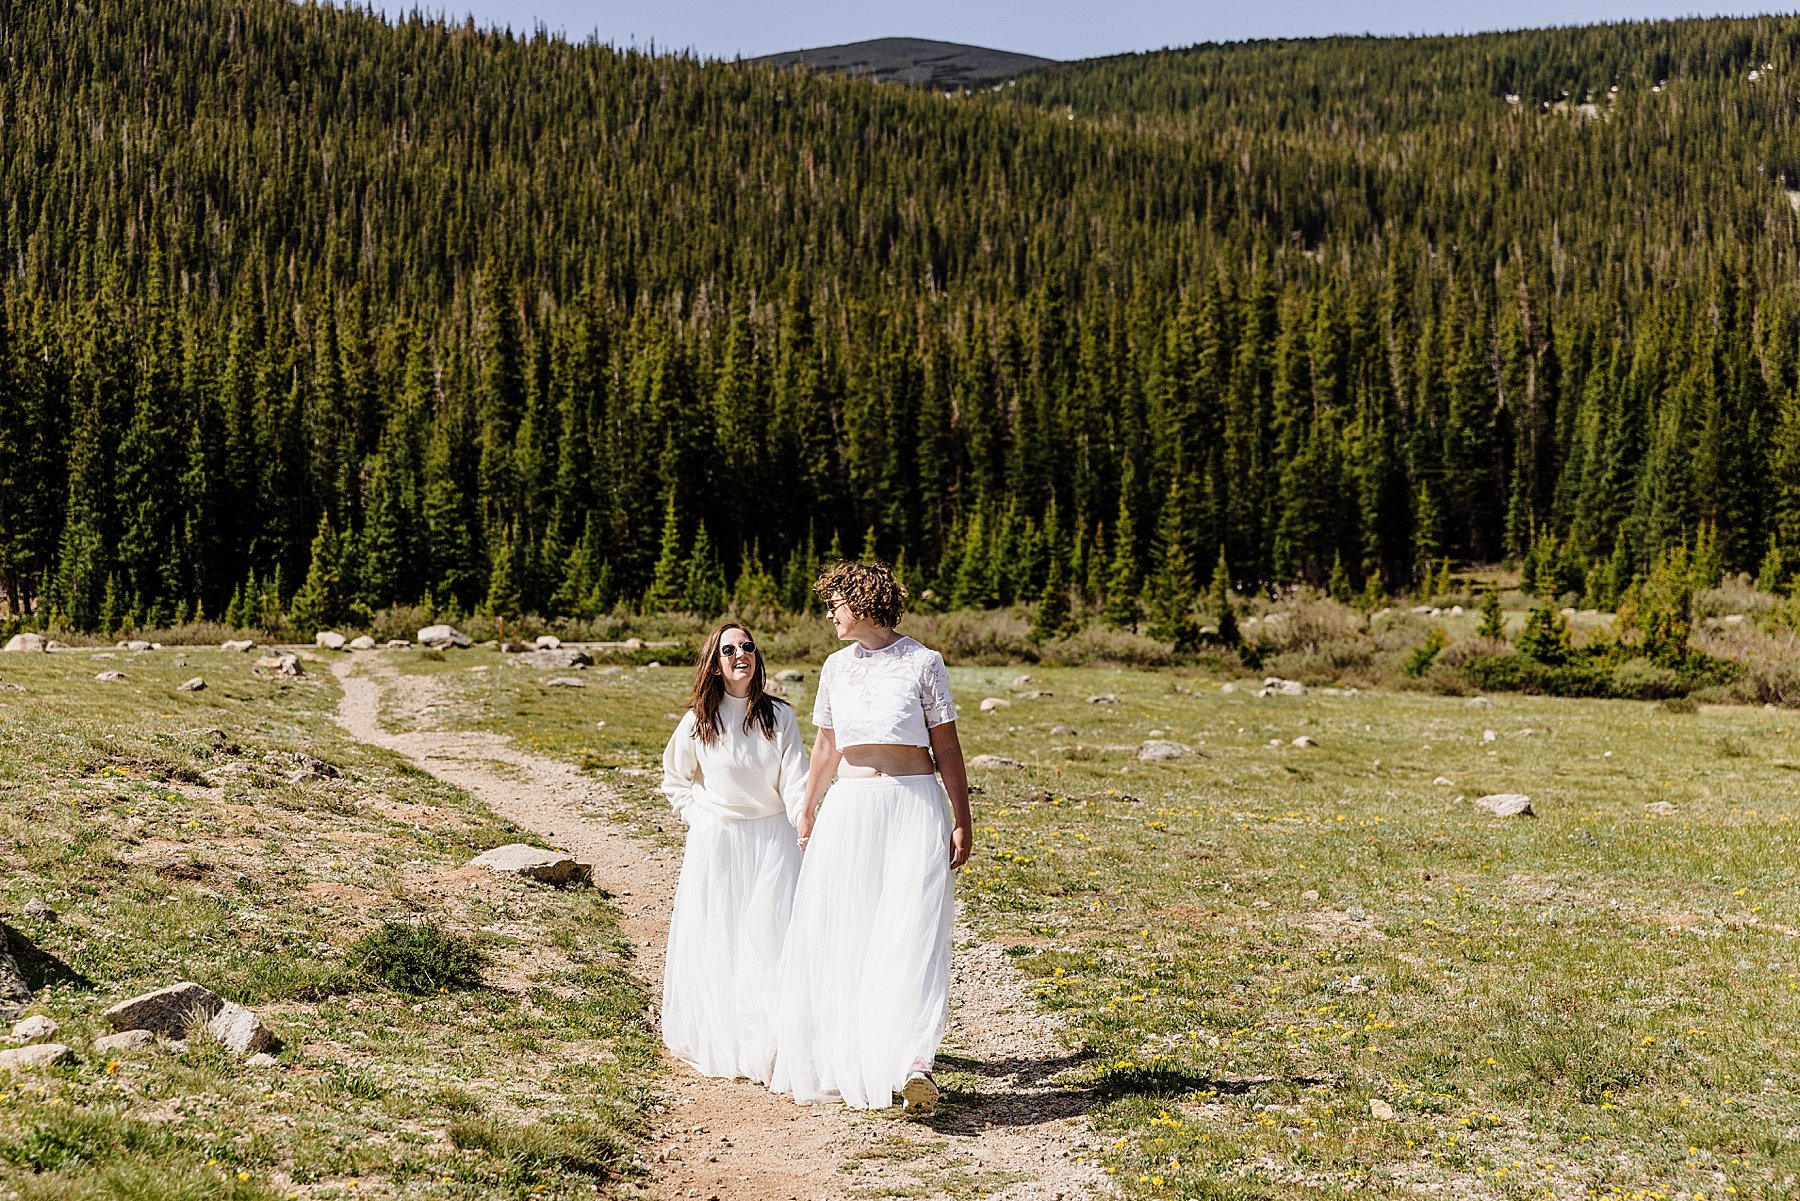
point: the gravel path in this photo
(732, 1140)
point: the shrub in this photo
(1646, 681)
(417, 957)
(1426, 653)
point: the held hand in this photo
(803, 828)
(962, 841)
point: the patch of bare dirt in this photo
(1015, 1132)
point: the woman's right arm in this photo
(681, 767)
(818, 779)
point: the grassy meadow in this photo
(176, 837)
(1310, 971)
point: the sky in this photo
(1051, 28)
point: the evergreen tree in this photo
(704, 589)
(320, 601)
(1169, 594)
(1493, 620)
(668, 585)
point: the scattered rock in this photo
(285, 665)
(989, 704)
(197, 684)
(1161, 750)
(240, 1031)
(1228, 686)
(1105, 698)
(554, 660)
(308, 765)
(26, 642)
(547, 642)
(128, 1040)
(993, 763)
(792, 675)
(654, 663)
(775, 688)
(1311, 894)
(107, 677)
(442, 637)
(37, 910)
(1276, 686)
(329, 640)
(1456, 610)
(167, 1011)
(398, 644)
(1063, 731)
(1444, 781)
(1380, 1110)
(262, 1059)
(565, 682)
(1733, 619)
(1034, 694)
(238, 645)
(137, 644)
(37, 1057)
(1488, 736)
(1660, 807)
(1022, 681)
(33, 1029)
(534, 863)
(362, 642)
(1506, 804)
(1303, 741)
(1478, 702)
(1527, 732)
(15, 991)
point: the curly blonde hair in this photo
(870, 588)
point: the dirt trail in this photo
(732, 1140)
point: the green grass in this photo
(172, 835)
(1253, 946)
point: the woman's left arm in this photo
(946, 748)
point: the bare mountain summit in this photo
(913, 60)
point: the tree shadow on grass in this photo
(38, 966)
(1023, 1090)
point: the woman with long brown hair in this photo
(735, 771)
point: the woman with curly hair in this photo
(865, 980)
(734, 770)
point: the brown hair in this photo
(709, 690)
(871, 589)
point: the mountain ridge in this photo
(916, 61)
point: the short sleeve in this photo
(822, 702)
(934, 690)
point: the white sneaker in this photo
(920, 1094)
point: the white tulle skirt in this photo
(725, 940)
(865, 979)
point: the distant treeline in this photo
(290, 294)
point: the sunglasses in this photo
(832, 607)
(727, 650)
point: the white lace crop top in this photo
(892, 696)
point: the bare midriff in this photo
(884, 759)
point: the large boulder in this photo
(35, 1057)
(240, 1031)
(284, 665)
(442, 637)
(1506, 804)
(1276, 686)
(238, 645)
(197, 684)
(547, 642)
(170, 1011)
(35, 1029)
(125, 1040)
(329, 640)
(362, 642)
(533, 863)
(556, 659)
(108, 677)
(27, 642)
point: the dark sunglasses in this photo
(726, 649)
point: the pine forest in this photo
(299, 307)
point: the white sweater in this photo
(741, 776)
